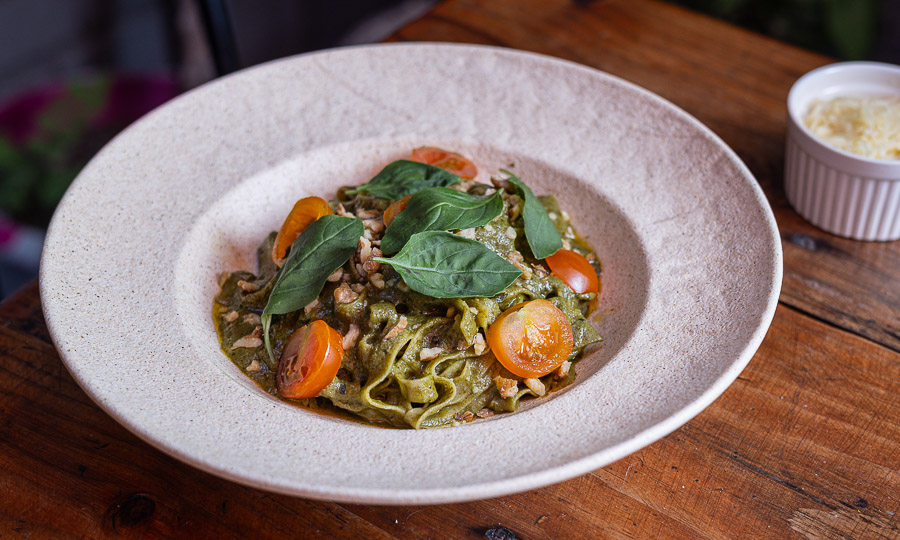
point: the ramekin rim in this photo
(849, 157)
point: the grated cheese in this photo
(866, 126)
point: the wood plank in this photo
(832, 462)
(735, 82)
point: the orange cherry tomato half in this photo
(310, 361)
(449, 161)
(575, 271)
(531, 339)
(395, 208)
(305, 211)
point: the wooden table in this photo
(806, 443)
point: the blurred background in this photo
(73, 73)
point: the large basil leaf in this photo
(540, 231)
(403, 177)
(439, 209)
(444, 265)
(321, 249)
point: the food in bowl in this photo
(420, 299)
(868, 126)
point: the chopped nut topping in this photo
(344, 295)
(351, 337)
(336, 275)
(368, 214)
(552, 215)
(231, 316)
(473, 310)
(479, 344)
(311, 307)
(249, 341)
(541, 271)
(428, 353)
(397, 328)
(358, 287)
(363, 249)
(563, 369)
(252, 366)
(565, 215)
(251, 318)
(377, 279)
(223, 277)
(507, 387)
(374, 225)
(511, 233)
(500, 183)
(463, 417)
(517, 260)
(484, 413)
(451, 311)
(371, 266)
(467, 233)
(341, 211)
(247, 287)
(566, 244)
(536, 386)
(590, 257)
(461, 345)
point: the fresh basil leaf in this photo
(540, 231)
(439, 209)
(403, 177)
(444, 265)
(321, 249)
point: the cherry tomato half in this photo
(575, 271)
(531, 339)
(305, 211)
(395, 208)
(310, 361)
(449, 161)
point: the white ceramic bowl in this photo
(690, 250)
(840, 192)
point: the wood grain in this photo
(805, 444)
(805, 440)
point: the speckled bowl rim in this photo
(91, 349)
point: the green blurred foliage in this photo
(34, 176)
(841, 28)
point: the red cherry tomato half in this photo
(531, 339)
(449, 161)
(395, 208)
(310, 361)
(305, 211)
(575, 271)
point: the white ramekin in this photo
(840, 192)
